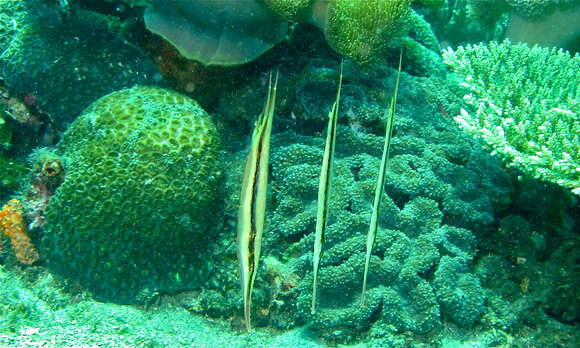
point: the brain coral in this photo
(440, 193)
(140, 199)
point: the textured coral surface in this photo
(524, 104)
(141, 200)
(468, 252)
(441, 189)
(46, 55)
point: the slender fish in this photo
(323, 189)
(374, 224)
(253, 200)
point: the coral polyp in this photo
(135, 199)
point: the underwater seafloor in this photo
(122, 161)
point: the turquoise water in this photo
(127, 130)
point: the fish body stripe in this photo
(374, 224)
(253, 200)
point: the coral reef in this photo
(524, 105)
(132, 206)
(439, 195)
(358, 29)
(46, 175)
(361, 29)
(61, 61)
(13, 226)
(406, 254)
(141, 199)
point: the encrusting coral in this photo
(14, 227)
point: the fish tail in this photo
(313, 309)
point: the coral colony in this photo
(422, 150)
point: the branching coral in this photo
(526, 106)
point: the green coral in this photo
(12, 171)
(5, 134)
(525, 106)
(399, 292)
(289, 9)
(433, 4)
(458, 291)
(60, 59)
(361, 29)
(140, 200)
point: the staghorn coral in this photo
(524, 104)
(14, 227)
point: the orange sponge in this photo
(14, 227)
